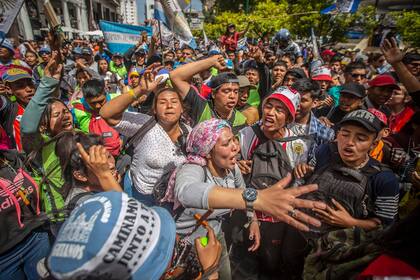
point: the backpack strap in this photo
(146, 127)
(258, 132)
(74, 200)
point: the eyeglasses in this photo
(362, 76)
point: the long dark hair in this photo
(46, 115)
(69, 156)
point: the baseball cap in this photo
(15, 74)
(244, 82)
(327, 52)
(383, 80)
(113, 236)
(354, 89)
(77, 50)
(87, 50)
(288, 96)
(380, 115)
(367, 119)
(223, 78)
(8, 45)
(134, 73)
(164, 73)
(321, 74)
(117, 54)
(140, 51)
(45, 49)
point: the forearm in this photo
(113, 110)
(222, 198)
(410, 82)
(367, 224)
(34, 110)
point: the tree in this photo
(408, 26)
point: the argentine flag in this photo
(120, 37)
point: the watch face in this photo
(250, 194)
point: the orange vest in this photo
(377, 153)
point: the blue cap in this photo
(8, 45)
(77, 50)
(45, 49)
(113, 236)
(15, 74)
(86, 50)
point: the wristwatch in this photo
(249, 195)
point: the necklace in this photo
(225, 180)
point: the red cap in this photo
(383, 80)
(327, 52)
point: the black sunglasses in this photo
(363, 76)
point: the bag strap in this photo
(146, 127)
(258, 132)
(75, 199)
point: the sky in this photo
(196, 5)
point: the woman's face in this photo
(224, 151)
(398, 97)
(82, 77)
(30, 59)
(168, 109)
(103, 65)
(135, 81)
(60, 118)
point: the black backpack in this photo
(346, 185)
(270, 162)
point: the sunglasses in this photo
(363, 76)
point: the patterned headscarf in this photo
(201, 141)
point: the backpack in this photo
(346, 185)
(20, 205)
(270, 162)
(110, 136)
(341, 254)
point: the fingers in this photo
(306, 218)
(283, 182)
(211, 235)
(298, 191)
(309, 204)
(294, 223)
(338, 205)
(83, 153)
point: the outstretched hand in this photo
(281, 203)
(391, 51)
(209, 255)
(53, 69)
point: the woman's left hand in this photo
(254, 234)
(336, 217)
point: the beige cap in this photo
(244, 82)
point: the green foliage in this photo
(408, 25)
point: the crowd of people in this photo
(262, 160)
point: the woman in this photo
(85, 173)
(161, 148)
(44, 118)
(112, 82)
(210, 179)
(401, 112)
(31, 58)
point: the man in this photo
(230, 39)
(224, 96)
(351, 98)
(360, 192)
(292, 75)
(284, 45)
(87, 118)
(327, 55)
(45, 54)
(253, 75)
(305, 121)
(250, 112)
(87, 54)
(117, 66)
(379, 92)
(355, 72)
(412, 62)
(280, 255)
(7, 53)
(18, 83)
(187, 53)
(322, 75)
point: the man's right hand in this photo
(245, 166)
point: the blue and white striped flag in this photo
(170, 14)
(342, 6)
(120, 37)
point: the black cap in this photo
(140, 51)
(223, 78)
(231, 25)
(354, 89)
(296, 72)
(364, 118)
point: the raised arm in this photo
(113, 110)
(181, 76)
(394, 56)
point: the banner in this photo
(8, 12)
(120, 37)
(342, 6)
(170, 14)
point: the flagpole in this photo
(160, 39)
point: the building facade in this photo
(129, 11)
